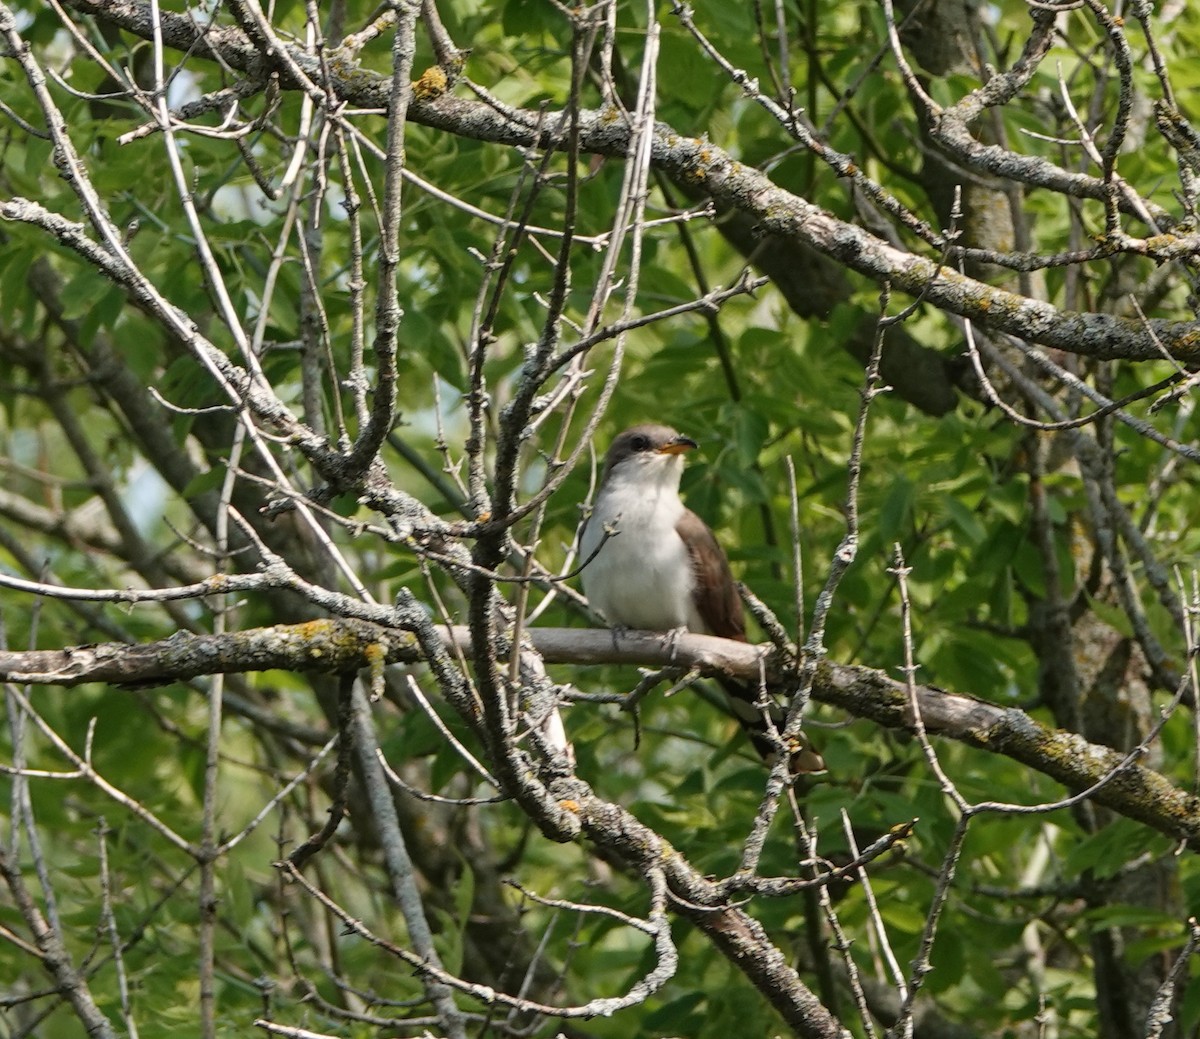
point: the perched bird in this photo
(663, 569)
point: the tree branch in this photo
(346, 644)
(727, 181)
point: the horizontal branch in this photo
(714, 172)
(346, 645)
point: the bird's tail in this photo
(744, 701)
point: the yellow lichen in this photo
(433, 83)
(376, 655)
(314, 629)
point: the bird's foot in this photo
(671, 638)
(618, 632)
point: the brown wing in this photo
(720, 608)
(715, 596)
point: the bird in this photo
(650, 563)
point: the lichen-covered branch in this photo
(340, 645)
(715, 173)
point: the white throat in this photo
(642, 575)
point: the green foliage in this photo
(989, 519)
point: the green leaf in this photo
(83, 292)
(1115, 617)
(202, 483)
(1106, 852)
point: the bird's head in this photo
(648, 453)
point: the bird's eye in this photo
(641, 442)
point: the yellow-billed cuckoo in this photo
(662, 569)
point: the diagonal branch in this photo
(715, 173)
(51, 950)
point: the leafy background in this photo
(756, 385)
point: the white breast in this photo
(642, 576)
